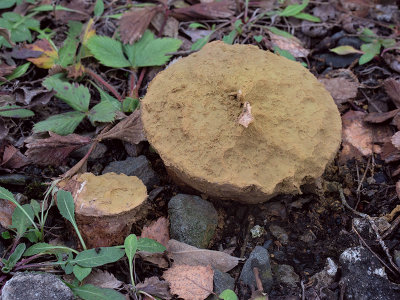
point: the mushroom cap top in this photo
(190, 116)
(109, 194)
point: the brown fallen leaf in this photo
(158, 231)
(396, 140)
(155, 287)
(184, 254)
(102, 279)
(129, 130)
(213, 10)
(13, 158)
(292, 45)
(190, 282)
(134, 23)
(54, 149)
(33, 96)
(392, 88)
(82, 10)
(342, 84)
(6, 211)
(360, 138)
(390, 153)
(381, 117)
(5, 70)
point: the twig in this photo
(104, 83)
(246, 239)
(360, 182)
(389, 231)
(258, 280)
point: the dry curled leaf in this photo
(48, 57)
(190, 282)
(129, 130)
(54, 149)
(6, 211)
(392, 88)
(82, 10)
(246, 117)
(381, 117)
(134, 23)
(13, 158)
(103, 279)
(184, 254)
(213, 10)
(5, 70)
(341, 84)
(158, 231)
(396, 140)
(155, 287)
(292, 45)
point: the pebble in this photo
(279, 233)
(285, 274)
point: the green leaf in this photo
(131, 246)
(387, 43)
(19, 71)
(294, 9)
(48, 7)
(75, 95)
(62, 124)
(33, 235)
(14, 258)
(6, 3)
(368, 36)
(344, 50)
(102, 112)
(21, 219)
(6, 235)
(283, 33)
(258, 38)
(197, 45)
(106, 97)
(66, 54)
(66, 206)
(75, 29)
(130, 104)
(196, 25)
(149, 51)
(18, 26)
(99, 8)
(308, 17)
(91, 292)
(228, 295)
(98, 257)
(228, 39)
(366, 58)
(15, 113)
(107, 51)
(284, 53)
(35, 207)
(47, 249)
(149, 245)
(81, 272)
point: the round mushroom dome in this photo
(239, 123)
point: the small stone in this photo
(257, 231)
(133, 150)
(364, 276)
(279, 233)
(193, 220)
(97, 153)
(36, 286)
(222, 282)
(258, 258)
(308, 236)
(397, 257)
(135, 166)
(285, 274)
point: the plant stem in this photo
(104, 83)
(139, 82)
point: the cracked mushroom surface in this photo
(193, 116)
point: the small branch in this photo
(139, 82)
(100, 80)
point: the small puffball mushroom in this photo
(239, 123)
(106, 206)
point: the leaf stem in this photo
(108, 86)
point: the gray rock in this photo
(279, 233)
(193, 220)
(135, 166)
(36, 286)
(308, 236)
(364, 276)
(14, 179)
(285, 274)
(133, 150)
(258, 258)
(222, 282)
(97, 153)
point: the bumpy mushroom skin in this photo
(190, 116)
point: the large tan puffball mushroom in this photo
(106, 206)
(239, 123)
